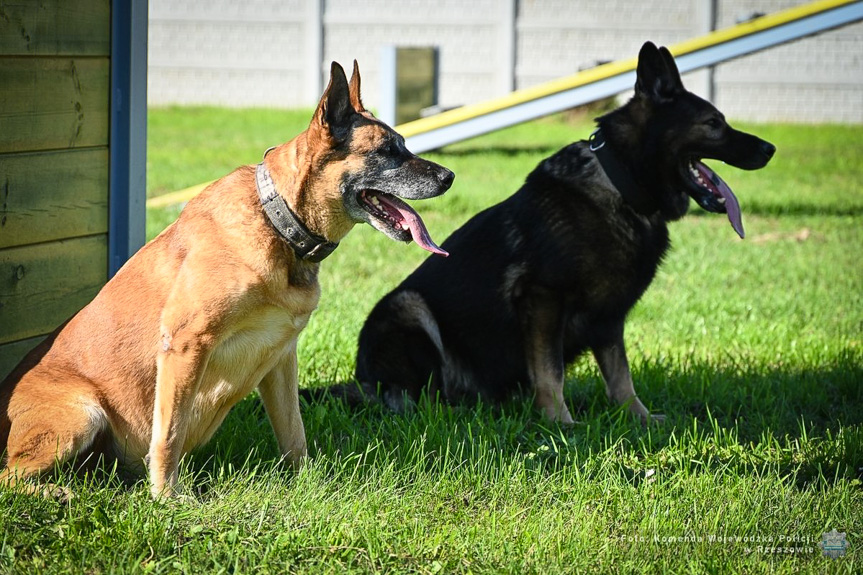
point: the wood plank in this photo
(56, 27)
(43, 285)
(53, 195)
(12, 353)
(53, 103)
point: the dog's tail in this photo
(354, 394)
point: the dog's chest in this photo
(606, 263)
(256, 344)
(261, 343)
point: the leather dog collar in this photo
(621, 178)
(306, 245)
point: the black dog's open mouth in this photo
(399, 217)
(713, 194)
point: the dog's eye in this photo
(714, 123)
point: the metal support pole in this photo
(128, 137)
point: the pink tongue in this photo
(412, 221)
(720, 188)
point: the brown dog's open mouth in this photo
(399, 217)
(713, 194)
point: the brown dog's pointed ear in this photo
(356, 101)
(335, 113)
(657, 77)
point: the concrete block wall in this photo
(559, 37)
(228, 53)
(816, 79)
(469, 36)
(277, 52)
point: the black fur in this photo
(552, 271)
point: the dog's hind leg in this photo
(44, 435)
(611, 357)
(400, 351)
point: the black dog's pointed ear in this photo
(671, 67)
(657, 77)
(356, 100)
(334, 112)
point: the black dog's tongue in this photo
(716, 185)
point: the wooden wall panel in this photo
(11, 354)
(53, 195)
(42, 285)
(55, 27)
(53, 103)
(55, 90)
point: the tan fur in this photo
(200, 317)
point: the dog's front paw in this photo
(658, 418)
(295, 459)
(558, 413)
(638, 409)
(57, 492)
(172, 494)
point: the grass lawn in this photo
(752, 349)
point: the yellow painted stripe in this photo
(178, 197)
(614, 68)
(561, 84)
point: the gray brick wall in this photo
(557, 37)
(467, 34)
(226, 53)
(817, 79)
(277, 52)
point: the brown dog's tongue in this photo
(720, 188)
(410, 220)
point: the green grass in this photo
(751, 348)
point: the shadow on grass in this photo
(803, 424)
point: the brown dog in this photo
(211, 309)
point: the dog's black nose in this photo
(446, 177)
(768, 149)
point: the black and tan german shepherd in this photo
(552, 271)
